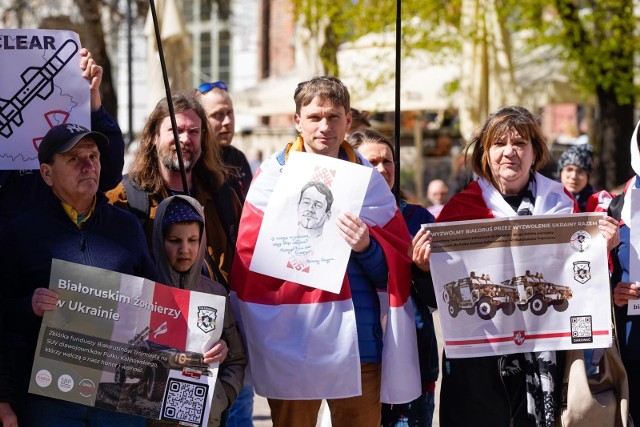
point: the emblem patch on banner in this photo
(518, 337)
(207, 318)
(580, 241)
(582, 271)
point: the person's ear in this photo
(46, 172)
(296, 119)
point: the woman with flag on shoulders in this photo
(515, 389)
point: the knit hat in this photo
(579, 155)
(179, 211)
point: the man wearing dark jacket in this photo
(22, 190)
(75, 223)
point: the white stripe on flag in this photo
(303, 351)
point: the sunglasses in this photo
(206, 87)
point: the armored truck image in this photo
(527, 291)
(150, 362)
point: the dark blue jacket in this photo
(23, 190)
(111, 239)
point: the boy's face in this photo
(181, 244)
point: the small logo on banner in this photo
(580, 241)
(86, 388)
(43, 378)
(323, 175)
(65, 383)
(299, 264)
(582, 271)
(518, 337)
(207, 318)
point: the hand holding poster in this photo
(523, 284)
(126, 344)
(299, 240)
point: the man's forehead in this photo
(85, 143)
(217, 96)
(323, 104)
(182, 118)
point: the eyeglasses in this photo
(206, 87)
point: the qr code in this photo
(581, 329)
(184, 401)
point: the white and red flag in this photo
(302, 341)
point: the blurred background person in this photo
(360, 120)
(574, 168)
(219, 108)
(437, 196)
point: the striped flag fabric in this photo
(301, 341)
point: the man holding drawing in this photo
(321, 345)
(75, 223)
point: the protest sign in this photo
(523, 284)
(299, 240)
(41, 85)
(127, 344)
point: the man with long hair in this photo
(155, 174)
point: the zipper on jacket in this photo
(83, 240)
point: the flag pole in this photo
(396, 185)
(172, 114)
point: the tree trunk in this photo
(94, 40)
(614, 127)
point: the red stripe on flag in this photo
(511, 338)
(394, 239)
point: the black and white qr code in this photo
(581, 329)
(184, 401)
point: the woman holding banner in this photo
(516, 389)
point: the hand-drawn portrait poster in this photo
(299, 240)
(41, 85)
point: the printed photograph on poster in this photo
(529, 283)
(41, 85)
(127, 344)
(299, 239)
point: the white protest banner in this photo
(299, 240)
(41, 85)
(127, 344)
(633, 198)
(523, 284)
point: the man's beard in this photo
(170, 162)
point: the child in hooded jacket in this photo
(179, 242)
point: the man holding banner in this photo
(318, 344)
(75, 223)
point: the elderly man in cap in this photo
(75, 224)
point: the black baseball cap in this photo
(62, 138)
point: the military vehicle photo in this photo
(149, 363)
(529, 291)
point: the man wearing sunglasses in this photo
(217, 103)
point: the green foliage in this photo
(598, 40)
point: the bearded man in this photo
(155, 174)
